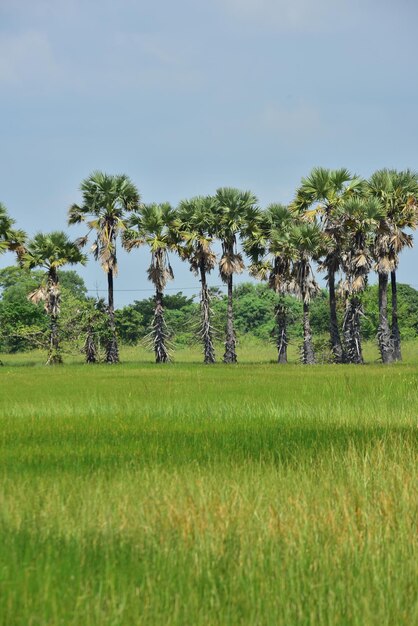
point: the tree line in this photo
(348, 225)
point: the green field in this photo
(220, 495)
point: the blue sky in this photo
(191, 95)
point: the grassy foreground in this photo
(192, 495)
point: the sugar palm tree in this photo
(308, 242)
(157, 226)
(234, 211)
(321, 193)
(270, 250)
(51, 252)
(397, 192)
(359, 219)
(107, 201)
(11, 239)
(196, 221)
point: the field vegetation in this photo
(208, 495)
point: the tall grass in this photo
(251, 494)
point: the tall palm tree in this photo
(50, 252)
(270, 250)
(234, 211)
(196, 221)
(321, 193)
(157, 226)
(398, 191)
(359, 219)
(308, 242)
(107, 201)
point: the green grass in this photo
(191, 495)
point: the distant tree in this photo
(107, 201)
(129, 324)
(70, 280)
(22, 323)
(50, 252)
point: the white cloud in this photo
(26, 57)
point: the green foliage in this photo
(133, 322)
(407, 311)
(24, 324)
(73, 283)
(129, 324)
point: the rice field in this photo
(222, 496)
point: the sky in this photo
(191, 95)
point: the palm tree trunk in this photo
(90, 347)
(54, 301)
(308, 356)
(54, 356)
(230, 355)
(112, 352)
(159, 330)
(281, 318)
(396, 335)
(206, 327)
(351, 331)
(336, 347)
(383, 333)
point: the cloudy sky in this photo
(191, 95)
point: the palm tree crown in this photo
(10, 238)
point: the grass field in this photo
(223, 495)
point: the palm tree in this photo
(107, 200)
(51, 252)
(397, 192)
(157, 226)
(359, 218)
(10, 238)
(321, 193)
(195, 223)
(234, 211)
(271, 254)
(308, 242)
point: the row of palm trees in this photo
(348, 225)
